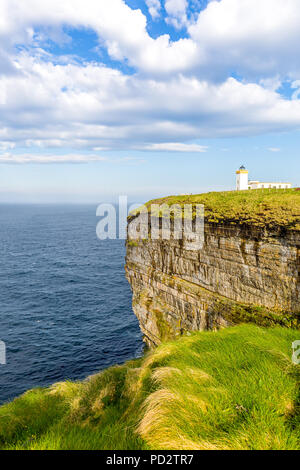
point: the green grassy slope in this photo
(269, 207)
(232, 389)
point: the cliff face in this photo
(242, 273)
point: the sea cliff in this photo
(248, 269)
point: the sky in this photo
(146, 98)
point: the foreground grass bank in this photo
(232, 389)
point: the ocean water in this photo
(65, 305)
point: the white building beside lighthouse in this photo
(243, 183)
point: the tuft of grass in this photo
(232, 389)
(274, 208)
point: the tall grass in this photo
(232, 389)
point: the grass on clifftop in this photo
(263, 207)
(232, 389)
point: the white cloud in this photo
(296, 86)
(154, 7)
(93, 106)
(177, 147)
(176, 9)
(122, 30)
(181, 92)
(274, 149)
(4, 146)
(255, 38)
(9, 158)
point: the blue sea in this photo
(65, 305)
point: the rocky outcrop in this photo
(241, 273)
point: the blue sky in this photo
(146, 97)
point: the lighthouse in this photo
(243, 183)
(242, 176)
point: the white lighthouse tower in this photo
(242, 177)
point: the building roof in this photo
(268, 182)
